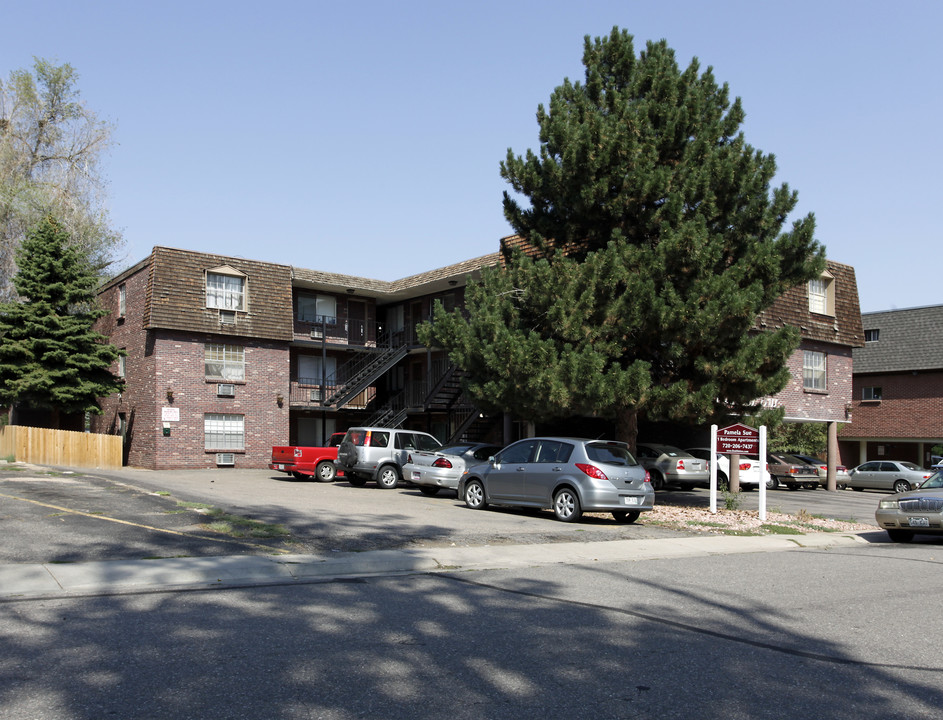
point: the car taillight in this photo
(409, 457)
(592, 471)
(648, 477)
(745, 465)
(442, 463)
(680, 465)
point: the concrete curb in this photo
(26, 581)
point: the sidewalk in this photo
(128, 576)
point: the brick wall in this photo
(135, 406)
(801, 404)
(911, 406)
(179, 367)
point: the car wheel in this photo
(658, 480)
(901, 486)
(841, 486)
(626, 517)
(900, 536)
(722, 480)
(356, 480)
(298, 476)
(772, 482)
(388, 477)
(475, 495)
(566, 505)
(325, 471)
(858, 489)
(429, 490)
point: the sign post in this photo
(739, 439)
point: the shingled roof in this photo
(907, 340)
(177, 295)
(385, 292)
(792, 308)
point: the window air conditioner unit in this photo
(316, 333)
(225, 458)
(227, 317)
(225, 390)
(315, 395)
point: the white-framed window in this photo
(225, 362)
(822, 295)
(224, 431)
(122, 300)
(317, 309)
(872, 335)
(225, 291)
(871, 393)
(813, 370)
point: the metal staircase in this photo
(390, 414)
(361, 372)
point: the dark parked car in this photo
(569, 475)
(894, 475)
(841, 472)
(913, 512)
(791, 472)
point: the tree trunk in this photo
(627, 426)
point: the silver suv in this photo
(377, 453)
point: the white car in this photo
(749, 468)
(435, 469)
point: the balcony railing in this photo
(307, 392)
(343, 332)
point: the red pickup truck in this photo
(304, 462)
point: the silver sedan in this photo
(442, 468)
(895, 475)
(918, 511)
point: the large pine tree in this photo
(655, 241)
(50, 357)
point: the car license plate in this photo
(279, 467)
(632, 500)
(918, 522)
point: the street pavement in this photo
(565, 543)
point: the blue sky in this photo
(365, 138)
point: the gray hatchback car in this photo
(569, 475)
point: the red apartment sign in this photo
(738, 439)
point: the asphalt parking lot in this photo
(60, 515)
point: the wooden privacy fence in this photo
(42, 446)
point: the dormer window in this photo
(225, 289)
(822, 295)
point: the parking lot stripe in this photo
(226, 541)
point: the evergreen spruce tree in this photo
(50, 357)
(655, 242)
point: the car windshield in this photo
(934, 481)
(610, 454)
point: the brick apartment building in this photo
(828, 315)
(227, 357)
(897, 400)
